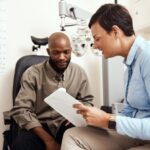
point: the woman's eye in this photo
(97, 39)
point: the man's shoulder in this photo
(75, 66)
(36, 67)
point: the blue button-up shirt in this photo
(137, 98)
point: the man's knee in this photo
(72, 132)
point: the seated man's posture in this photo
(41, 126)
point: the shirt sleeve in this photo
(133, 127)
(23, 110)
(145, 71)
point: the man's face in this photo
(60, 54)
(104, 41)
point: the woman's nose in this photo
(94, 45)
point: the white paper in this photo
(62, 102)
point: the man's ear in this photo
(48, 51)
(116, 30)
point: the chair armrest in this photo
(7, 118)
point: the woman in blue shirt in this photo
(113, 34)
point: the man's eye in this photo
(67, 52)
(55, 53)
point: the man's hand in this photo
(93, 115)
(67, 123)
(52, 145)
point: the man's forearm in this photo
(42, 134)
(49, 141)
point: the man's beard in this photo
(59, 70)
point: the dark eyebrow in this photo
(67, 50)
(63, 50)
(96, 36)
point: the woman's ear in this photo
(116, 30)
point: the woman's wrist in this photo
(112, 121)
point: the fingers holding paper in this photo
(92, 115)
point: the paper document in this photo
(62, 102)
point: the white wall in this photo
(39, 18)
(139, 10)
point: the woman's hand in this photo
(93, 115)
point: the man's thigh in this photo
(97, 138)
(26, 140)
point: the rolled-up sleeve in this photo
(23, 111)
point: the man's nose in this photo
(62, 56)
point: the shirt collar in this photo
(52, 73)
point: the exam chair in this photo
(22, 64)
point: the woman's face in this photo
(106, 42)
